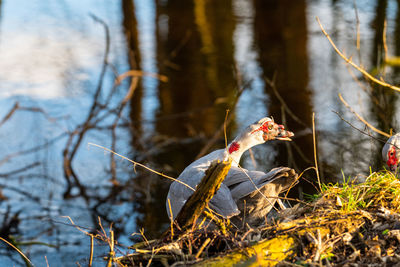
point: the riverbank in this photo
(345, 225)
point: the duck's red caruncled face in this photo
(272, 131)
(392, 159)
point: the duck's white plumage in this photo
(253, 192)
(192, 175)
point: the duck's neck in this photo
(238, 146)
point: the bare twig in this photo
(17, 107)
(91, 250)
(32, 149)
(112, 252)
(9, 114)
(19, 251)
(205, 190)
(271, 84)
(171, 217)
(361, 131)
(362, 119)
(20, 191)
(74, 225)
(139, 73)
(291, 161)
(357, 30)
(74, 143)
(226, 117)
(362, 85)
(143, 166)
(203, 246)
(176, 50)
(22, 169)
(385, 48)
(255, 186)
(125, 100)
(360, 69)
(315, 152)
(253, 159)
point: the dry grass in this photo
(348, 223)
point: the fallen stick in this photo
(205, 190)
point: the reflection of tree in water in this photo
(382, 100)
(141, 193)
(282, 53)
(196, 54)
(362, 152)
(193, 56)
(129, 24)
(103, 199)
(396, 38)
(23, 182)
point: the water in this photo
(51, 57)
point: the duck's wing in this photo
(178, 194)
(280, 179)
(223, 203)
(176, 198)
(256, 199)
(238, 175)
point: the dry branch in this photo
(139, 73)
(361, 131)
(77, 135)
(18, 107)
(272, 85)
(9, 114)
(206, 189)
(362, 119)
(143, 166)
(26, 259)
(315, 152)
(360, 69)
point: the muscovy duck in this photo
(251, 192)
(391, 152)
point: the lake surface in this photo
(195, 60)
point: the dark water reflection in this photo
(216, 55)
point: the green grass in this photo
(379, 189)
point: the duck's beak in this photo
(283, 134)
(285, 138)
(275, 132)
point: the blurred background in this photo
(59, 61)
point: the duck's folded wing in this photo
(238, 175)
(247, 187)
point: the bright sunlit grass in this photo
(380, 189)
